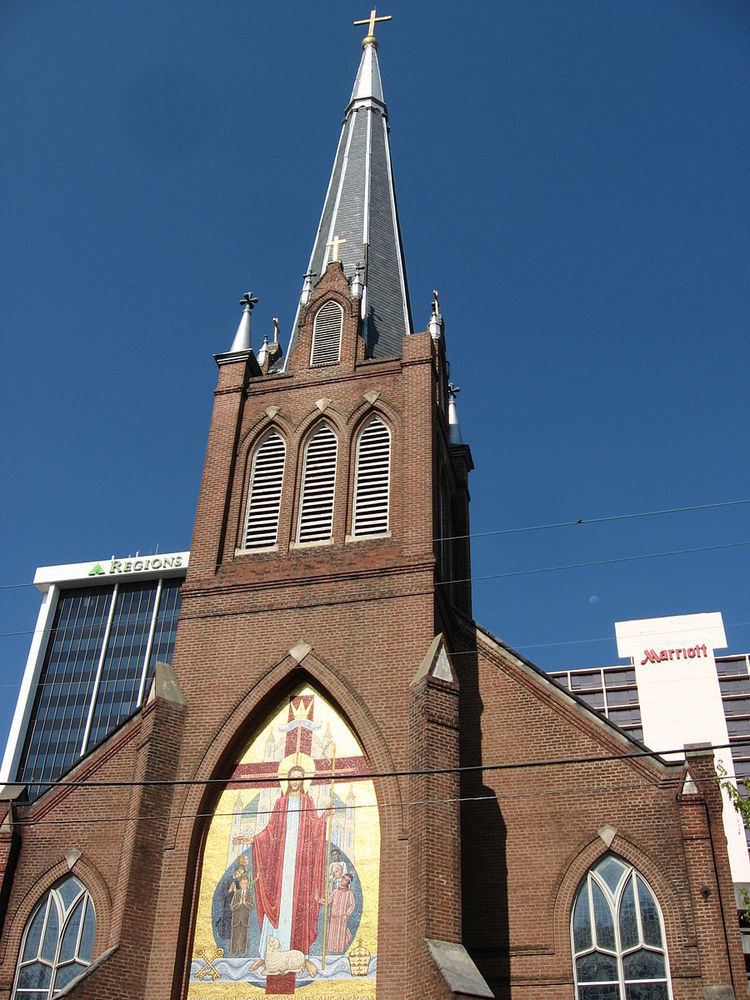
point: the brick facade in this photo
(355, 618)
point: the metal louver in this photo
(264, 499)
(327, 328)
(318, 486)
(372, 479)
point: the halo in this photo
(302, 760)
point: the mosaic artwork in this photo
(288, 903)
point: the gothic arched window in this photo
(58, 942)
(372, 479)
(326, 340)
(318, 486)
(264, 495)
(618, 936)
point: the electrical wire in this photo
(83, 684)
(370, 775)
(439, 583)
(503, 796)
(512, 531)
(594, 520)
(597, 562)
(452, 800)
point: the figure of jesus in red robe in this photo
(289, 864)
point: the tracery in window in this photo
(618, 936)
(58, 942)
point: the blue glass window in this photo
(117, 696)
(63, 697)
(166, 625)
(625, 958)
(68, 694)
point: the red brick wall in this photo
(527, 848)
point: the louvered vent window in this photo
(373, 479)
(264, 499)
(326, 345)
(318, 485)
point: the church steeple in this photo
(360, 209)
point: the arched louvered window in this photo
(264, 496)
(318, 486)
(58, 942)
(618, 936)
(326, 341)
(372, 482)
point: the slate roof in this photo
(360, 207)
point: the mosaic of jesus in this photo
(288, 902)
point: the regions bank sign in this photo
(117, 567)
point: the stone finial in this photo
(307, 287)
(454, 431)
(435, 326)
(269, 354)
(358, 284)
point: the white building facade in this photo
(678, 691)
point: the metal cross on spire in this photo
(371, 21)
(335, 244)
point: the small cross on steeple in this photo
(371, 21)
(335, 243)
(249, 301)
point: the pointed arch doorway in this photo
(288, 899)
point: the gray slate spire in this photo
(360, 208)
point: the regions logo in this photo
(97, 570)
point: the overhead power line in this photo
(519, 530)
(596, 520)
(79, 684)
(503, 797)
(371, 775)
(595, 562)
(447, 583)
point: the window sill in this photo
(367, 538)
(260, 550)
(311, 545)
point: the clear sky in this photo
(573, 177)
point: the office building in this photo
(101, 628)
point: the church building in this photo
(342, 787)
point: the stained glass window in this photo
(618, 936)
(58, 942)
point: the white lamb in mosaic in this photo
(279, 963)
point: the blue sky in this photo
(573, 177)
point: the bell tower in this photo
(329, 554)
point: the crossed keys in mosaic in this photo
(209, 970)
